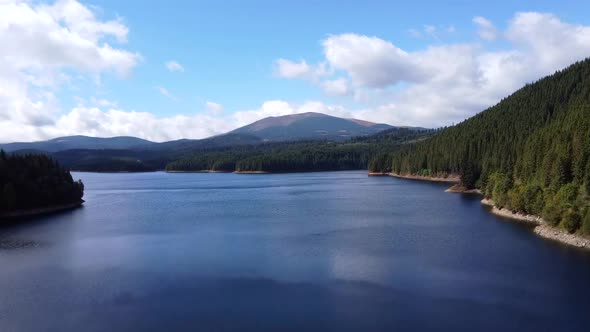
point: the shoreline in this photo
(201, 171)
(250, 172)
(39, 211)
(457, 188)
(378, 174)
(541, 228)
(449, 179)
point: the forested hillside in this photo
(529, 153)
(35, 181)
(298, 156)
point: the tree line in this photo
(35, 181)
(529, 153)
(298, 156)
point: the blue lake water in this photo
(333, 251)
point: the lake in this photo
(333, 251)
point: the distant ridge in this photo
(78, 142)
(310, 125)
(294, 127)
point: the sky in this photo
(193, 69)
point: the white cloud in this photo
(299, 70)
(552, 42)
(164, 92)
(336, 87)
(280, 107)
(447, 83)
(289, 69)
(487, 30)
(213, 108)
(93, 121)
(41, 46)
(370, 61)
(174, 66)
(64, 35)
(108, 122)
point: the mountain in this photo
(218, 141)
(530, 153)
(145, 157)
(298, 156)
(309, 126)
(130, 154)
(78, 142)
(305, 126)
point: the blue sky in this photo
(228, 47)
(230, 53)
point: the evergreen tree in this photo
(529, 153)
(35, 181)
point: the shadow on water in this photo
(10, 229)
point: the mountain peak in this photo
(309, 125)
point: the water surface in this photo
(319, 251)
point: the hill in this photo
(130, 154)
(305, 126)
(145, 158)
(300, 156)
(309, 126)
(530, 153)
(77, 142)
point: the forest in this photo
(530, 153)
(35, 181)
(299, 156)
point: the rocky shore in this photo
(541, 227)
(450, 179)
(457, 188)
(553, 233)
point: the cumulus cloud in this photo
(108, 122)
(174, 66)
(41, 45)
(299, 70)
(289, 69)
(94, 121)
(370, 61)
(487, 30)
(281, 107)
(447, 83)
(552, 42)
